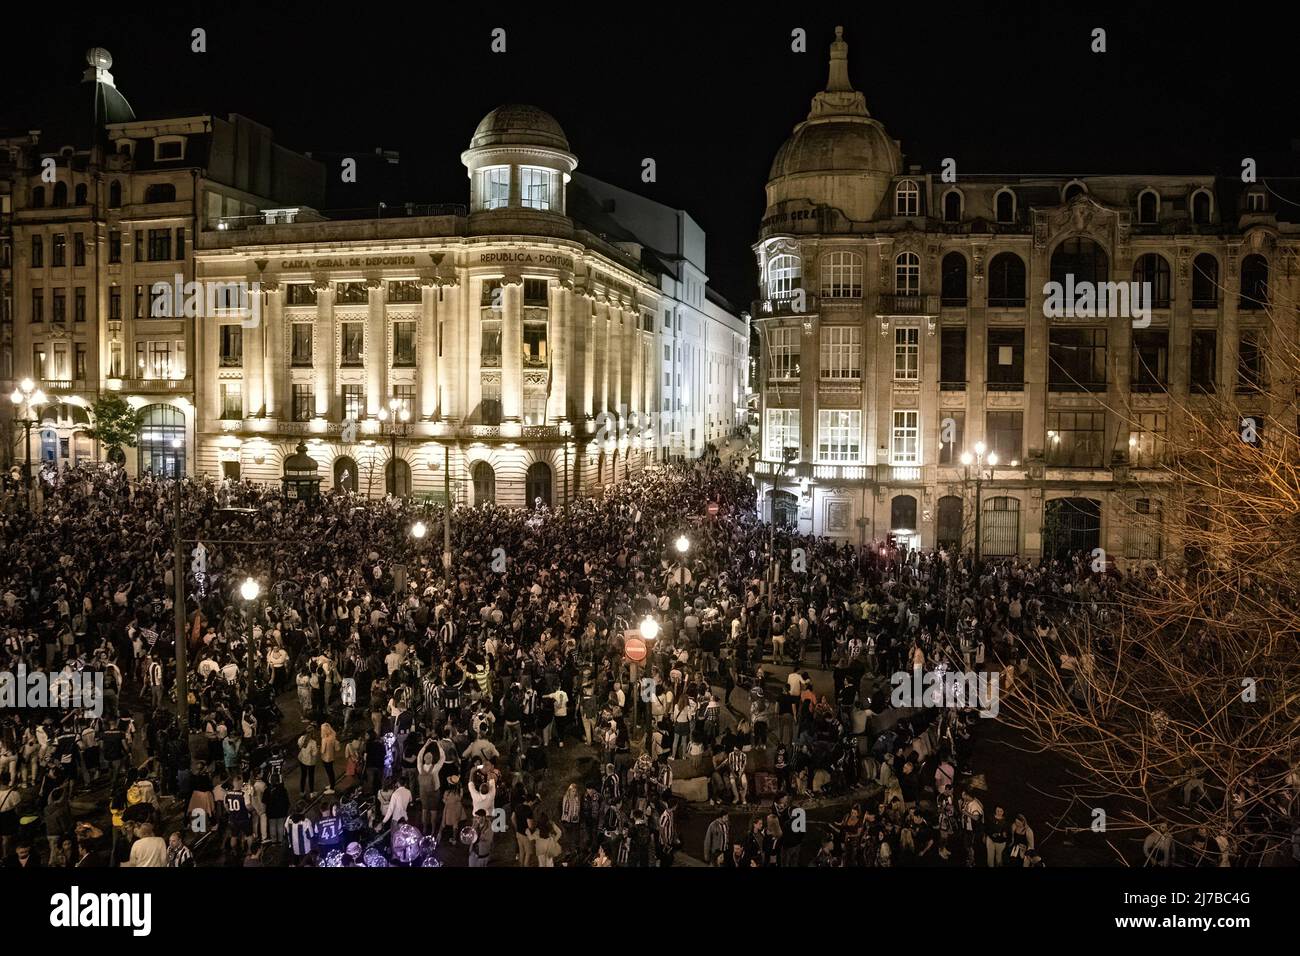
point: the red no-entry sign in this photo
(713, 509)
(634, 649)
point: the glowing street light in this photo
(683, 544)
(250, 589)
(419, 530)
(649, 628)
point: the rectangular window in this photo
(1250, 362)
(61, 361)
(79, 304)
(304, 402)
(905, 447)
(115, 360)
(782, 432)
(403, 344)
(1077, 360)
(38, 253)
(492, 295)
(1150, 360)
(490, 343)
(232, 346)
(907, 354)
(534, 343)
(78, 249)
(114, 246)
(1004, 434)
(300, 293)
(351, 293)
(60, 303)
(139, 245)
(951, 436)
(952, 360)
(1146, 439)
(839, 436)
(354, 402)
(841, 276)
(79, 360)
(232, 400)
(160, 245)
(1205, 358)
(180, 242)
(841, 352)
(353, 338)
(494, 187)
(140, 302)
(1076, 439)
(1006, 360)
(115, 304)
(1143, 538)
(404, 290)
(59, 257)
(38, 305)
(405, 395)
(159, 360)
(783, 360)
(301, 351)
(535, 293)
(490, 404)
(537, 187)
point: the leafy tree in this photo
(116, 425)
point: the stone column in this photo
(557, 403)
(587, 321)
(512, 349)
(618, 347)
(276, 357)
(254, 368)
(428, 357)
(323, 348)
(376, 348)
(602, 356)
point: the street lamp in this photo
(27, 399)
(249, 590)
(419, 530)
(683, 545)
(983, 460)
(649, 629)
(393, 421)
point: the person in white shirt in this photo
(148, 850)
(397, 804)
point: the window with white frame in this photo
(783, 358)
(905, 445)
(841, 275)
(784, 276)
(907, 274)
(839, 436)
(907, 354)
(782, 431)
(494, 187)
(907, 199)
(537, 187)
(841, 352)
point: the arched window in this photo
(1152, 268)
(397, 478)
(345, 474)
(1004, 206)
(1074, 190)
(841, 275)
(1205, 282)
(1006, 281)
(115, 194)
(80, 195)
(60, 195)
(1148, 207)
(1201, 207)
(952, 206)
(1081, 258)
(1254, 282)
(537, 485)
(907, 274)
(954, 279)
(160, 192)
(902, 513)
(485, 483)
(907, 199)
(38, 197)
(161, 426)
(1000, 534)
(784, 276)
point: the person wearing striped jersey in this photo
(301, 832)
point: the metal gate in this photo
(950, 514)
(1070, 525)
(1000, 530)
(785, 509)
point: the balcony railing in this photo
(786, 306)
(908, 305)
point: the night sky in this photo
(710, 95)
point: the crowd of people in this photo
(371, 708)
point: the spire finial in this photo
(839, 75)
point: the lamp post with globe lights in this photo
(983, 460)
(250, 591)
(649, 630)
(394, 420)
(27, 399)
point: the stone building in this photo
(503, 353)
(906, 320)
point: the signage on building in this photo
(346, 262)
(523, 257)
